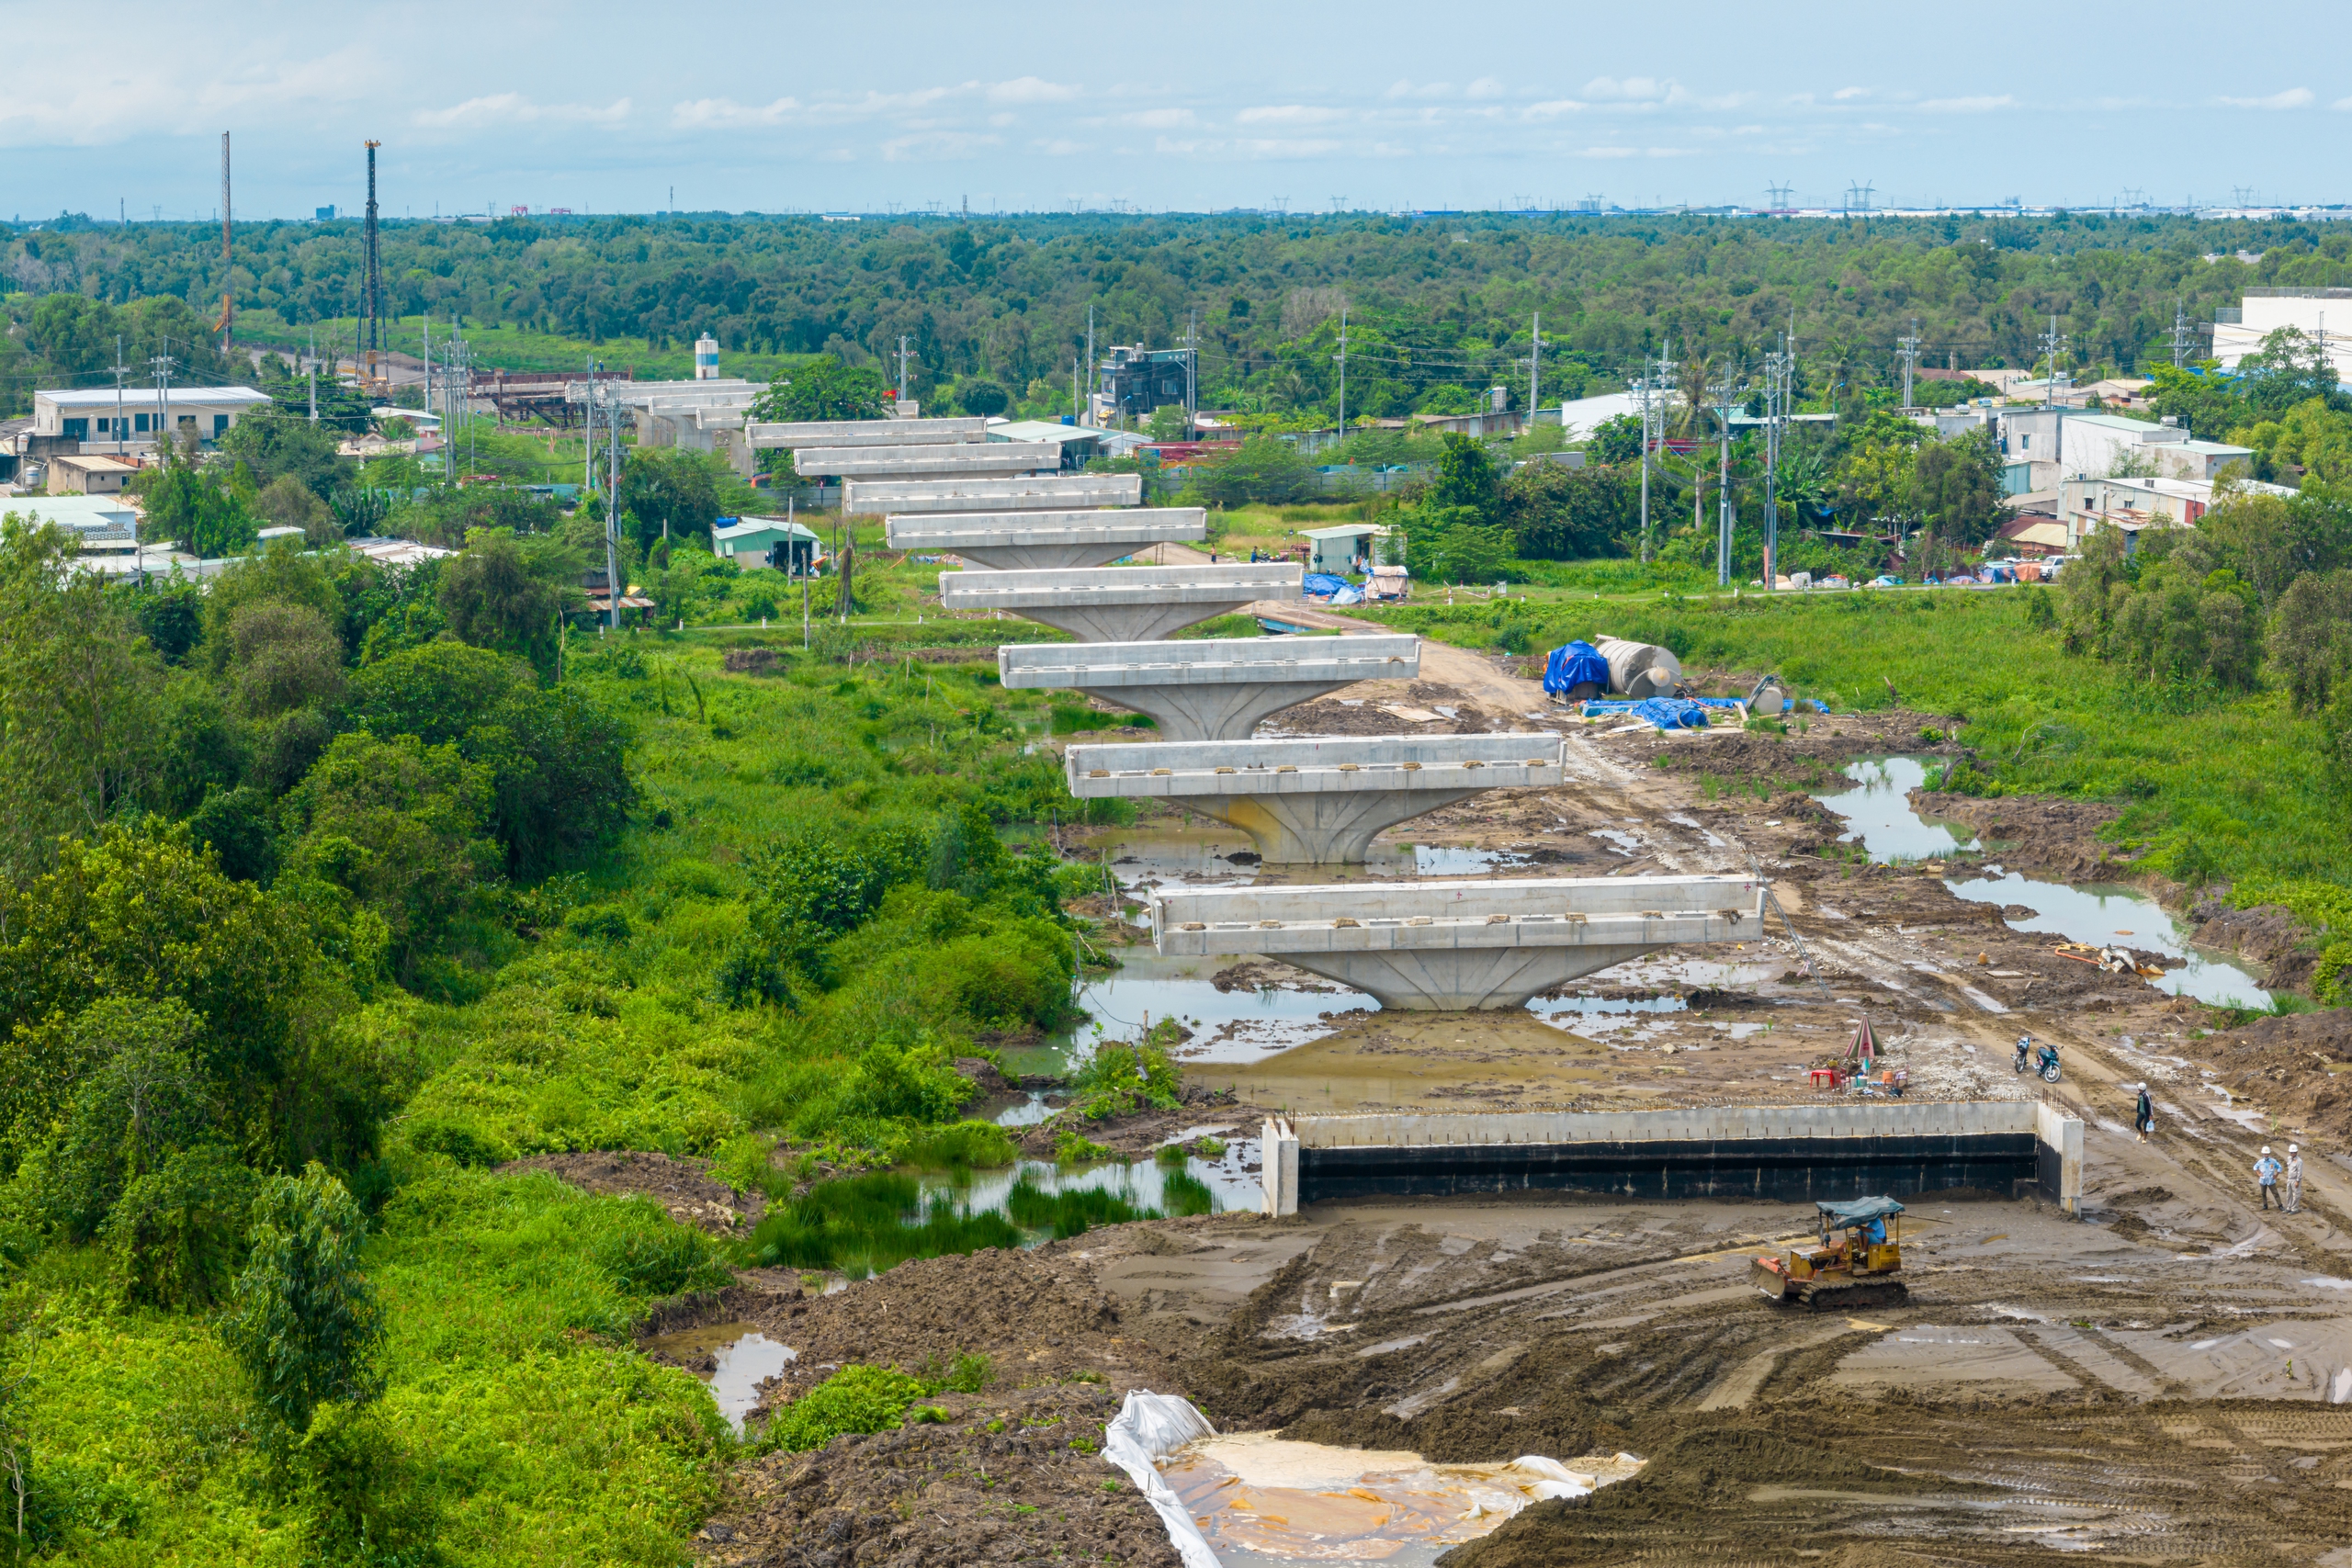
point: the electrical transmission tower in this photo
(2179, 333)
(371, 283)
(1778, 196)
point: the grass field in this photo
(515, 348)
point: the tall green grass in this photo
(2206, 788)
(868, 1224)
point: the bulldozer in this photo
(1862, 1268)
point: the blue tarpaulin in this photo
(1578, 664)
(1666, 713)
(1322, 584)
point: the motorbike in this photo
(2025, 1044)
(2047, 1058)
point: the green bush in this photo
(1121, 1080)
(854, 1399)
(1070, 1212)
(649, 1253)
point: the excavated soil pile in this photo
(2268, 933)
(2297, 1067)
(1036, 1314)
(1007, 1478)
(2039, 834)
(684, 1187)
(1137, 1136)
(1329, 715)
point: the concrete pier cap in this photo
(1316, 801)
(1124, 604)
(1047, 540)
(1451, 946)
(976, 459)
(813, 433)
(886, 496)
(1216, 688)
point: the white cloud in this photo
(1646, 89)
(111, 98)
(1982, 105)
(1486, 87)
(932, 146)
(1553, 108)
(1031, 90)
(1844, 95)
(2292, 98)
(1059, 147)
(719, 113)
(514, 108)
(2342, 104)
(1289, 114)
(1158, 119)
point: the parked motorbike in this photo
(2048, 1059)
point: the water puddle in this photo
(1244, 1024)
(1143, 1185)
(1878, 814)
(1261, 1500)
(734, 1358)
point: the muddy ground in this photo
(2166, 1380)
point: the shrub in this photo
(1122, 1079)
(1070, 1212)
(856, 1399)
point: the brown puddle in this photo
(734, 1358)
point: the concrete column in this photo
(1320, 829)
(1278, 1146)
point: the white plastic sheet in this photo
(1149, 1426)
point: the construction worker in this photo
(2294, 1178)
(2266, 1175)
(2144, 1115)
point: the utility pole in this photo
(1909, 348)
(1343, 372)
(1650, 386)
(612, 585)
(1090, 358)
(1723, 390)
(1534, 363)
(902, 368)
(2051, 342)
(310, 364)
(228, 256)
(2179, 333)
(120, 370)
(1191, 371)
(1779, 380)
(161, 364)
(428, 362)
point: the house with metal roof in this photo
(105, 419)
(754, 542)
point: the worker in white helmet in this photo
(2266, 1177)
(2294, 1178)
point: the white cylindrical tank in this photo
(706, 358)
(1639, 669)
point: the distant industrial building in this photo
(2261, 312)
(1133, 380)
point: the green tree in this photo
(1617, 439)
(1955, 488)
(304, 1323)
(79, 698)
(510, 595)
(278, 445)
(1465, 479)
(1265, 469)
(281, 657)
(1452, 544)
(978, 395)
(2311, 639)
(1560, 513)
(668, 495)
(824, 389)
(397, 827)
(1168, 422)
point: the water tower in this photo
(706, 358)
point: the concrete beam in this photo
(1315, 802)
(1127, 604)
(965, 460)
(797, 433)
(1458, 945)
(1215, 689)
(1047, 540)
(993, 495)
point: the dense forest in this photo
(1438, 308)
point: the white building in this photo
(2102, 444)
(2086, 505)
(2322, 314)
(91, 415)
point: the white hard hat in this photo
(2294, 1148)
(2266, 1148)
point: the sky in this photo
(1372, 105)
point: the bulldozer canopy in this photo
(1861, 1211)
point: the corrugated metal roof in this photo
(139, 400)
